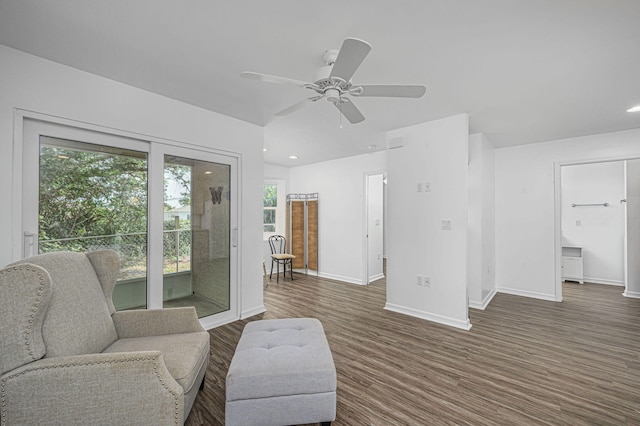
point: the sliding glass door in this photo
(170, 213)
(197, 234)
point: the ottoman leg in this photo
(326, 423)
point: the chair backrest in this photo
(78, 319)
(278, 244)
(25, 291)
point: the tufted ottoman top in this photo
(279, 358)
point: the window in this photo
(270, 207)
(273, 216)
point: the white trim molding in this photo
(440, 319)
(632, 294)
(485, 302)
(340, 278)
(253, 311)
(525, 293)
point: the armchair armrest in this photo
(156, 322)
(116, 388)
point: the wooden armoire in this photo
(302, 231)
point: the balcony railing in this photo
(132, 248)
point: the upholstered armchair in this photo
(67, 357)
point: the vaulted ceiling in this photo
(525, 71)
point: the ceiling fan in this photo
(333, 81)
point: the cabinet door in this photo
(572, 267)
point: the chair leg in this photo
(277, 272)
(291, 270)
(271, 272)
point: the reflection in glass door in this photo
(197, 227)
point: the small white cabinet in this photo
(572, 265)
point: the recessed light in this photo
(634, 109)
(293, 157)
(372, 146)
(264, 149)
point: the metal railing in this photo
(132, 248)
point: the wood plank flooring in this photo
(524, 362)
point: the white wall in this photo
(42, 86)
(633, 228)
(340, 188)
(598, 230)
(481, 216)
(525, 207)
(436, 153)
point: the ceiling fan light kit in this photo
(333, 81)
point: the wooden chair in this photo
(279, 255)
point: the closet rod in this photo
(583, 205)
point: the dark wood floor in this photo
(524, 361)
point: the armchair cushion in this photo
(184, 354)
(88, 329)
(24, 286)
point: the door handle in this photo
(234, 236)
(29, 243)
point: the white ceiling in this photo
(525, 71)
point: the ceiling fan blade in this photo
(275, 79)
(349, 110)
(397, 91)
(297, 106)
(351, 55)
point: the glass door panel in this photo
(197, 235)
(94, 197)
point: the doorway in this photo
(374, 241)
(597, 213)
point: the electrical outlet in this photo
(419, 280)
(578, 222)
(446, 225)
(427, 186)
(426, 281)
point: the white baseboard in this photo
(376, 277)
(209, 324)
(525, 293)
(485, 302)
(340, 278)
(603, 281)
(253, 311)
(465, 325)
(633, 294)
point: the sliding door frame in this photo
(155, 147)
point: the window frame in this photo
(280, 208)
